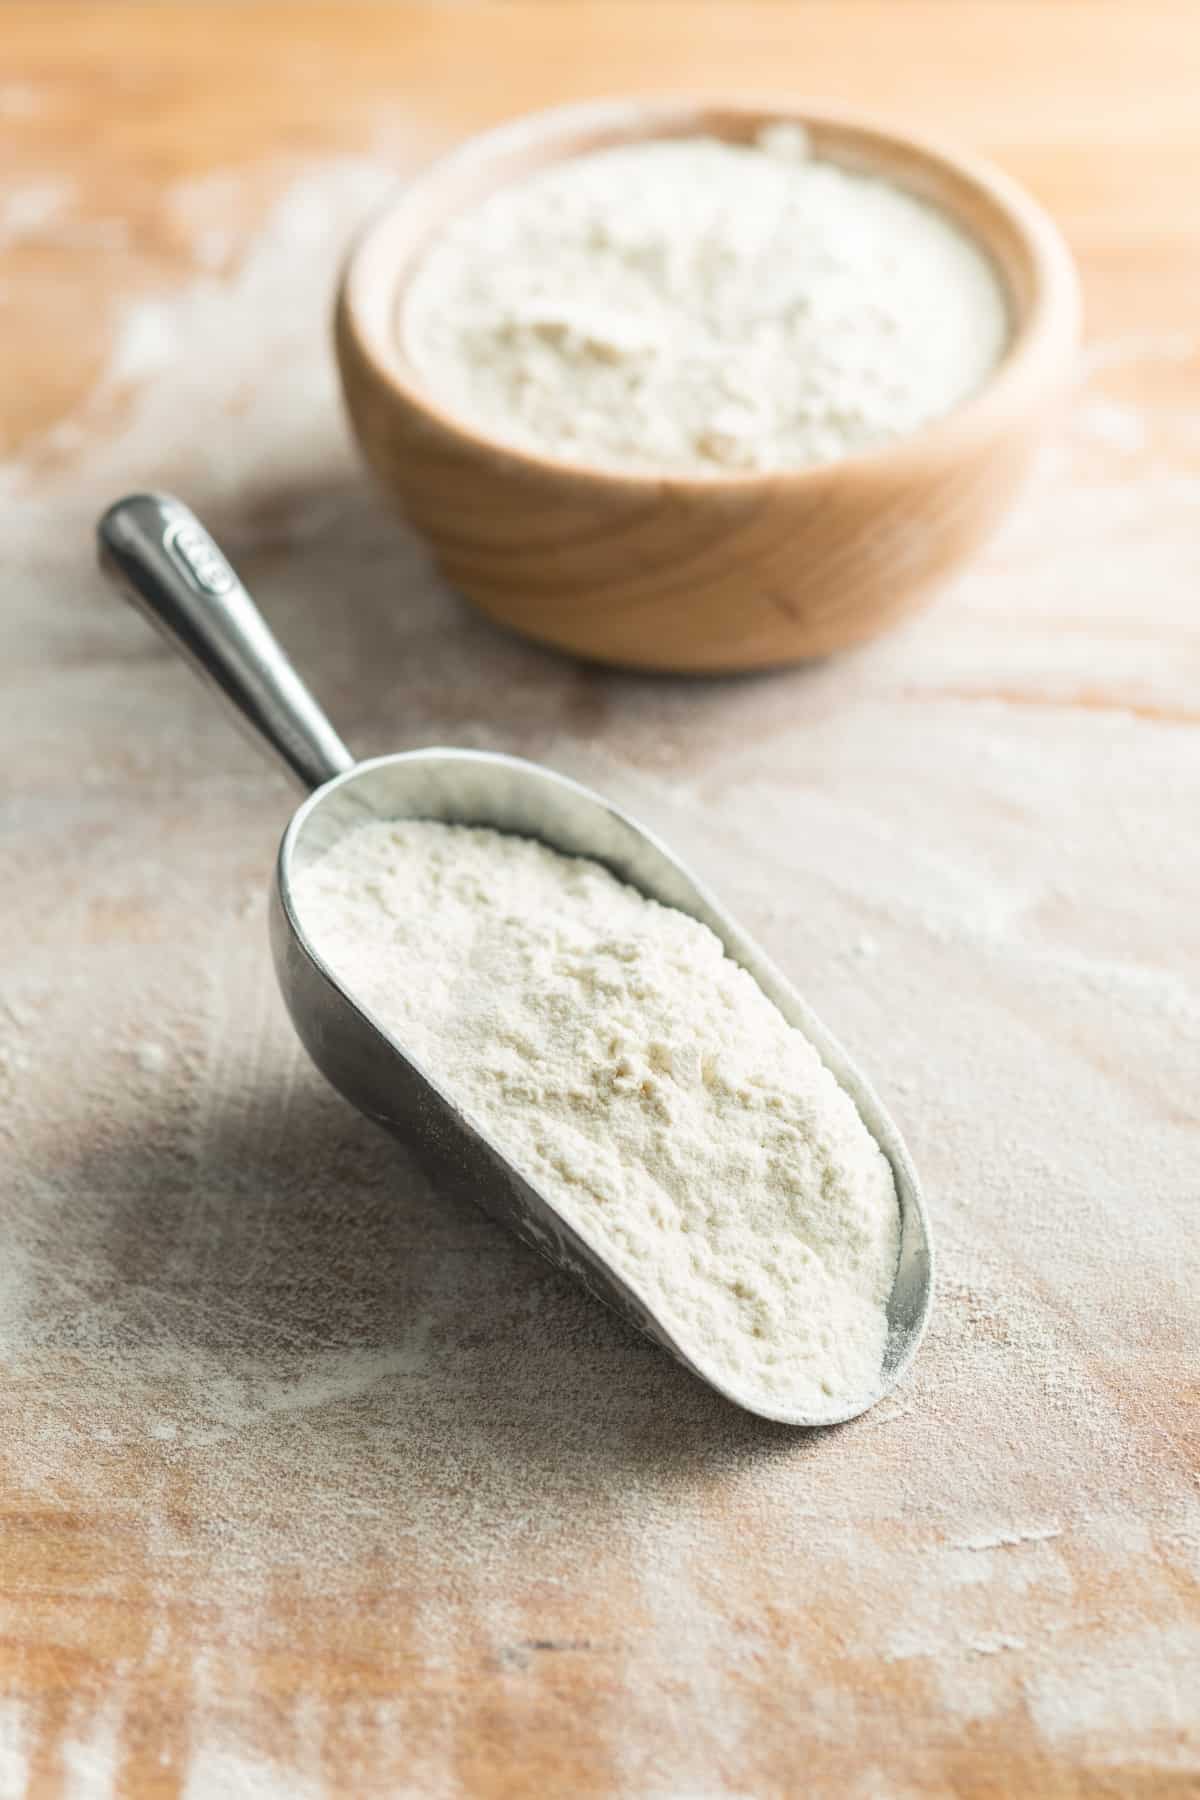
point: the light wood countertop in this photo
(313, 1485)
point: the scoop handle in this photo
(163, 560)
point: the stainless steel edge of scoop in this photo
(165, 561)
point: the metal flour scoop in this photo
(166, 563)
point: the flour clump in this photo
(698, 305)
(641, 1081)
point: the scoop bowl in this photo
(166, 563)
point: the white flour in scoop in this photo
(692, 304)
(640, 1080)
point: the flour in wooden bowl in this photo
(641, 1081)
(697, 305)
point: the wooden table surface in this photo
(312, 1483)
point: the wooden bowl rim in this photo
(1045, 321)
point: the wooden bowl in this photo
(704, 571)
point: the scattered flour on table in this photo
(641, 1080)
(694, 304)
(369, 1393)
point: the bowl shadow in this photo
(401, 659)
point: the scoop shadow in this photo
(285, 1229)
